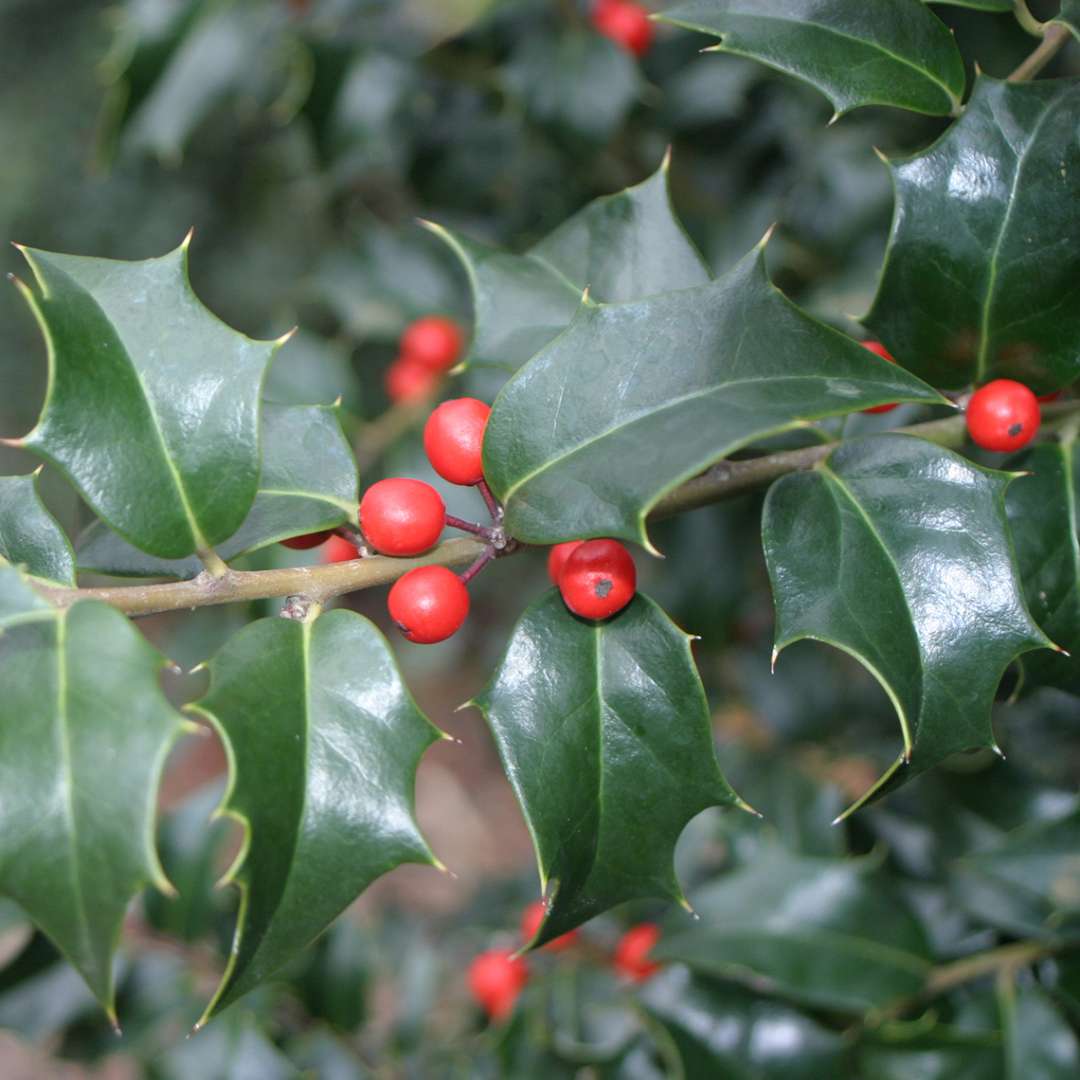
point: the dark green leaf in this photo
(234, 1049)
(84, 730)
(911, 1052)
(828, 932)
(897, 552)
(1039, 1044)
(1069, 16)
(152, 408)
(588, 437)
(621, 247)
(603, 730)
(323, 742)
(30, 536)
(979, 5)
(891, 52)
(308, 483)
(1044, 516)
(982, 274)
(722, 1031)
(18, 601)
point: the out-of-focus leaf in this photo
(891, 52)
(1039, 1043)
(152, 409)
(334, 980)
(825, 932)
(982, 274)
(308, 483)
(1044, 516)
(323, 741)
(232, 1049)
(588, 437)
(1069, 16)
(603, 730)
(30, 536)
(897, 1051)
(897, 551)
(721, 1030)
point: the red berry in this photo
(557, 557)
(338, 549)
(402, 517)
(599, 579)
(409, 380)
(632, 951)
(434, 342)
(626, 23)
(429, 604)
(1044, 398)
(532, 917)
(1003, 415)
(496, 978)
(309, 540)
(454, 438)
(880, 350)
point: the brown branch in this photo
(318, 584)
(1054, 40)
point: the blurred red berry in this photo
(557, 557)
(626, 23)
(632, 951)
(338, 549)
(532, 917)
(408, 380)
(496, 978)
(434, 342)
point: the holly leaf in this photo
(84, 731)
(586, 439)
(603, 730)
(1044, 518)
(308, 483)
(693, 1011)
(1039, 1042)
(30, 536)
(900, 1051)
(323, 741)
(982, 273)
(832, 933)
(892, 52)
(152, 407)
(621, 247)
(18, 601)
(897, 552)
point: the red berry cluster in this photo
(625, 23)
(597, 578)
(497, 977)
(428, 348)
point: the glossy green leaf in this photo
(30, 536)
(982, 274)
(152, 406)
(897, 551)
(1044, 516)
(1028, 883)
(826, 932)
(633, 399)
(308, 483)
(1039, 1043)
(890, 52)
(621, 247)
(84, 730)
(323, 742)
(603, 730)
(18, 601)
(719, 1030)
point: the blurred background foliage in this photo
(303, 139)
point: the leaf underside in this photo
(30, 536)
(982, 272)
(152, 404)
(603, 730)
(323, 742)
(588, 436)
(897, 551)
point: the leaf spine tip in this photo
(774, 658)
(881, 156)
(665, 163)
(186, 242)
(763, 243)
(286, 338)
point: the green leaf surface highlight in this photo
(30, 536)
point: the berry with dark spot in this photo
(1003, 415)
(598, 579)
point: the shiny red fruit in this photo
(557, 557)
(401, 516)
(1003, 415)
(433, 341)
(310, 540)
(599, 579)
(408, 380)
(632, 951)
(454, 439)
(532, 917)
(338, 549)
(429, 604)
(626, 23)
(496, 978)
(880, 350)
